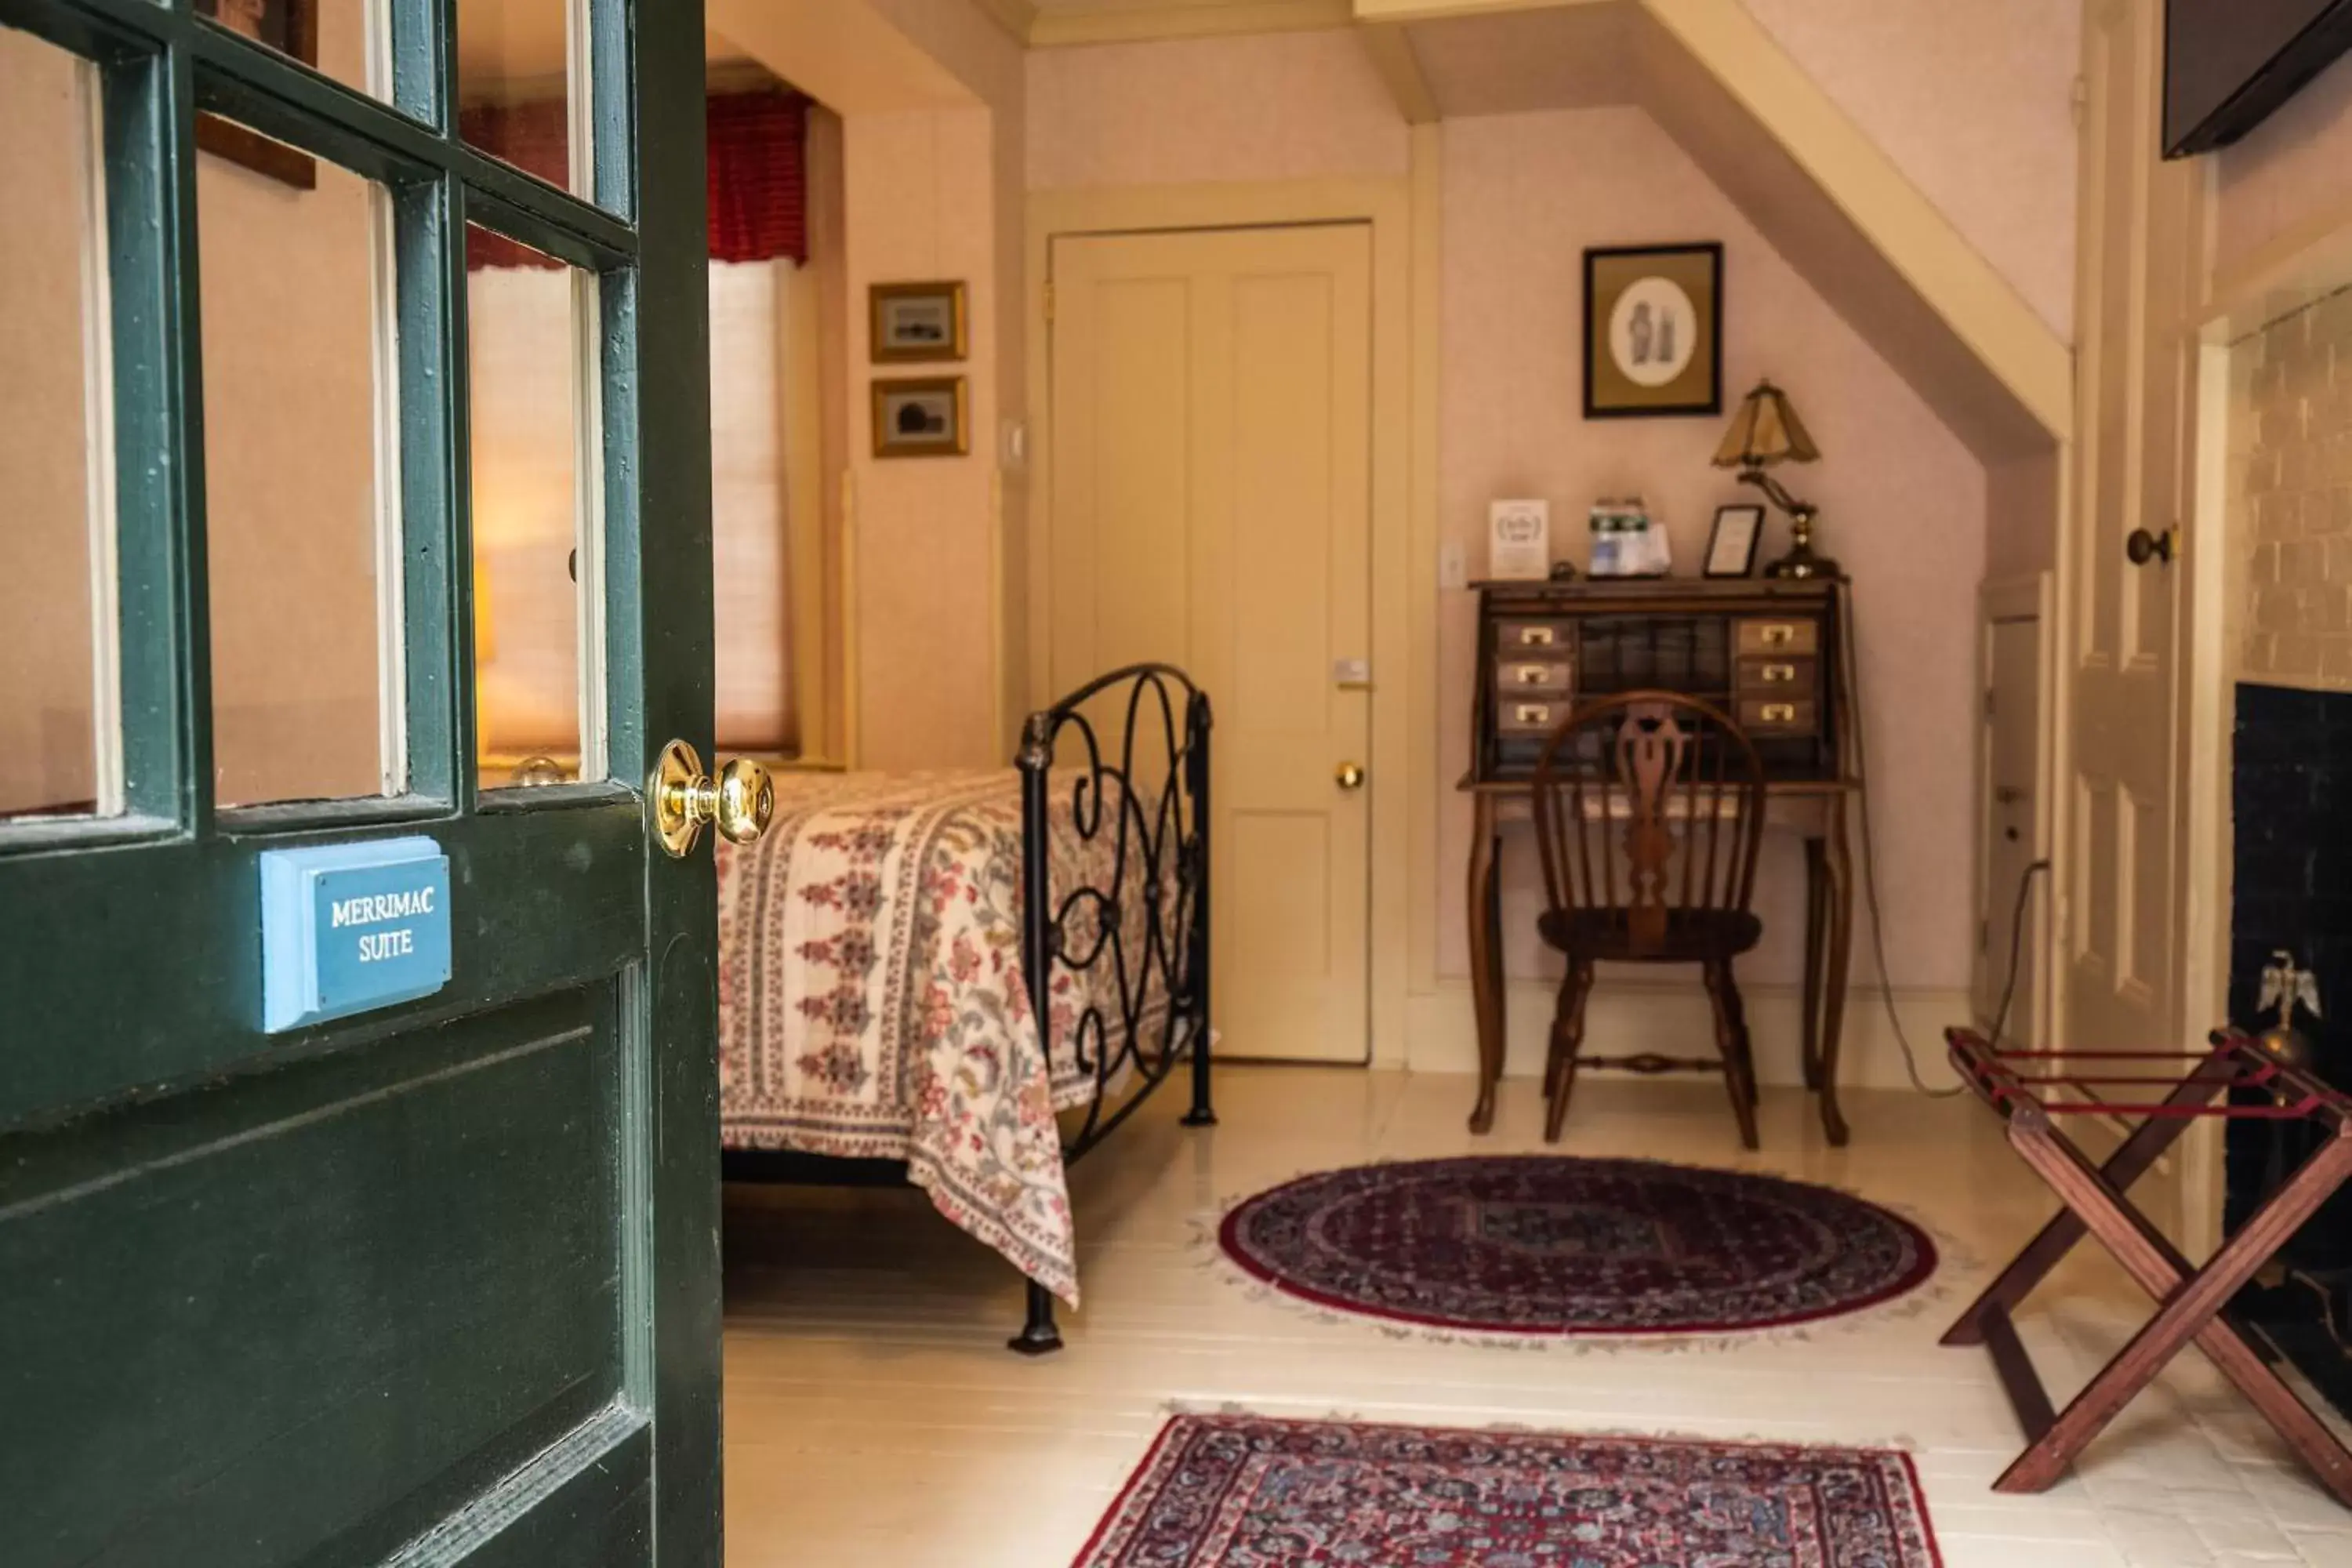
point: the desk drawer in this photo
(1795, 636)
(1523, 716)
(1513, 638)
(1531, 676)
(1785, 677)
(1765, 717)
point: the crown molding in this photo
(1100, 23)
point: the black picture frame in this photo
(1609, 272)
(1751, 516)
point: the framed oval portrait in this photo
(1653, 331)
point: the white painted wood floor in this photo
(874, 1418)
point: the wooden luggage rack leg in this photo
(2190, 1300)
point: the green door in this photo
(435, 1281)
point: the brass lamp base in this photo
(1800, 565)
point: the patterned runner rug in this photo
(1244, 1491)
(1550, 1245)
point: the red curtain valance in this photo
(758, 172)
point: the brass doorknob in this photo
(740, 802)
(1351, 776)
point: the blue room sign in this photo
(350, 927)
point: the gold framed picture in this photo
(914, 322)
(921, 416)
(1653, 331)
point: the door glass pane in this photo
(58, 732)
(345, 39)
(537, 663)
(302, 535)
(516, 86)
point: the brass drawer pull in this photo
(1777, 713)
(1533, 675)
(1535, 636)
(1779, 674)
(1778, 635)
(1532, 713)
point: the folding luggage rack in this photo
(2033, 1093)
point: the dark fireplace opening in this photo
(2292, 805)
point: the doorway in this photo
(1210, 505)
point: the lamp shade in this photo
(1765, 430)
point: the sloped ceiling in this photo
(1595, 55)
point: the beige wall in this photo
(920, 205)
(1278, 105)
(1903, 502)
(2287, 176)
(2021, 515)
(1974, 103)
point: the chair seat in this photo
(1691, 936)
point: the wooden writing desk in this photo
(1771, 654)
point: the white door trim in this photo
(2027, 597)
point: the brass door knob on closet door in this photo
(740, 802)
(1351, 776)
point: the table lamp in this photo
(1766, 432)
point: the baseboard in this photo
(1629, 1016)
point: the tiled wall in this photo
(2291, 495)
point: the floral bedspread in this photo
(871, 1004)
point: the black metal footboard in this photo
(1125, 919)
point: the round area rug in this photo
(1552, 1245)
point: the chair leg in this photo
(1740, 1030)
(1556, 1057)
(1568, 1041)
(1724, 993)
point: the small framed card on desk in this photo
(1518, 541)
(1731, 551)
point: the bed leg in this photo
(1038, 1336)
(1202, 1113)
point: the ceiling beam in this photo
(1977, 304)
(1060, 27)
(1439, 10)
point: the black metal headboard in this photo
(1149, 795)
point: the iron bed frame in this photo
(1161, 840)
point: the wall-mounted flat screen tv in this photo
(2227, 64)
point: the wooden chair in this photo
(1649, 811)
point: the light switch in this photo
(1452, 567)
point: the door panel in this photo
(439, 1282)
(1211, 494)
(2139, 221)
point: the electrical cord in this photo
(1870, 885)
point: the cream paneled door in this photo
(2123, 918)
(1210, 472)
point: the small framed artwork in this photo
(1518, 541)
(1653, 331)
(920, 417)
(1731, 549)
(913, 322)
(291, 27)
